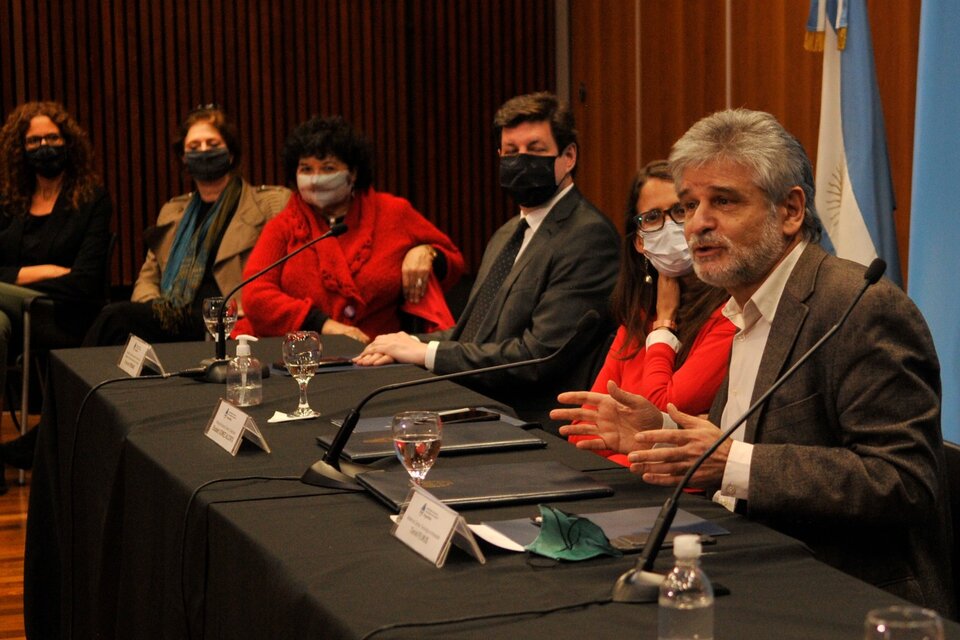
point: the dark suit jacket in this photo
(849, 454)
(568, 268)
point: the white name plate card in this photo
(135, 354)
(229, 426)
(429, 527)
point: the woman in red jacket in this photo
(673, 343)
(390, 261)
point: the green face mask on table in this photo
(564, 536)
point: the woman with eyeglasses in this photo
(674, 342)
(200, 243)
(391, 261)
(54, 226)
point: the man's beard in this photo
(746, 264)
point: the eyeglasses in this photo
(52, 139)
(653, 220)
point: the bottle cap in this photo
(687, 546)
(243, 346)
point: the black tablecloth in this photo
(112, 552)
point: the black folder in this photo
(371, 439)
(482, 485)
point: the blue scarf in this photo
(192, 246)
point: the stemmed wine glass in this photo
(416, 437)
(211, 308)
(301, 355)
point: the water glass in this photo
(416, 438)
(903, 623)
(211, 309)
(301, 355)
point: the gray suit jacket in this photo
(849, 455)
(568, 268)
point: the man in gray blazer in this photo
(847, 455)
(541, 272)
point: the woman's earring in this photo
(647, 278)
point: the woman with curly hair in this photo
(54, 222)
(390, 261)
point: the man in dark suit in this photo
(847, 455)
(541, 272)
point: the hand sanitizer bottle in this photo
(686, 595)
(244, 386)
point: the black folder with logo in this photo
(371, 439)
(487, 484)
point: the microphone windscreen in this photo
(875, 270)
(338, 229)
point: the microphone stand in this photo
(330, 471)
(216, 371)
(641, 584)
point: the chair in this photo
(952, 455)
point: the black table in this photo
(110, 552)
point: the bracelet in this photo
(670, 325)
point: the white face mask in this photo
(325, 190)
(668, 251)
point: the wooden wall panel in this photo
(421, 78)
(604, 97)
(680, 67)
(682, 51)
(682, 78)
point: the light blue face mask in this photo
(564, 536)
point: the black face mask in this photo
(47, 161)
(207, 166)
(529, 179)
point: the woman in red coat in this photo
(390, 261)
(674, 342)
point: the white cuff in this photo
(668, 422)
(736, 474)
(431, 355)
(663, 336)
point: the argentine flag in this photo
(934, 221)
(854, 190)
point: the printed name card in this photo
(136, 354)
(229, 426)
(429, 527)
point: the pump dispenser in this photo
(244, 383)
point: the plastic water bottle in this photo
(686, 596)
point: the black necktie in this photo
(488, 290)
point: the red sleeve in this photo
(691, 387)
(612, 369)
(422, 231)
(270, 309)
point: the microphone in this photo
(641, 584)
(330, 471)
(216, 371)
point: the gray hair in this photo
(755, 140)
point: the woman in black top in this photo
(54, 223)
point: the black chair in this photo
(952, 455)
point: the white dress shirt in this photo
(753, 322)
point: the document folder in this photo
(371, 439)
(482, 485)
